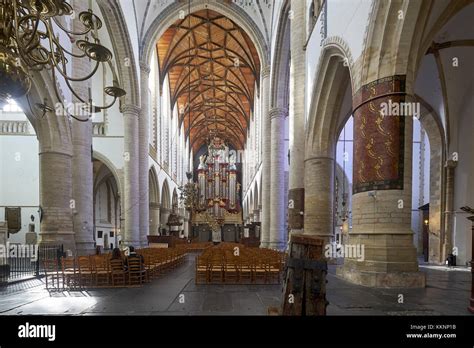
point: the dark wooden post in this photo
(469, 210)
(471, 302)
(304, 290)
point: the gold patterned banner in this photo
(379, 135)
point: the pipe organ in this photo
(218, 187)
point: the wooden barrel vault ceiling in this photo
(213, 69)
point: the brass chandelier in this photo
(189, 194)
(28, 43)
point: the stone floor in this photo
(447, 293)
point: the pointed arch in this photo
(165, 195)
(153, 185)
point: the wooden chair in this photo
(149, 267)
(101, 270)
(135, 271)
(245, 268)
(117, 271)
(70, 273)
(216, 268)
(231, 271)
(52, 274)
(87, 276)
(202, 270)
(260, 269)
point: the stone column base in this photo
(85, 248)
(383, 280)
(66, 239)
(382, 260)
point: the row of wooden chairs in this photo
(158, 261)
(195, 246)
(225, 264)
(82, 272)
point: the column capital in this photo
(130, 109)
(266, 71)
(277, 113)
(145, 67)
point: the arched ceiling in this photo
(212, 64)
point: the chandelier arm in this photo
(103, 107)
(56, 64)
(58, 45)
(75, 79)
(70, 32)
(114, 73)
(35, 28)
(89, 104)
(56, 92)
(33, 35)
(33, 60)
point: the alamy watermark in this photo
(400, 109)
(347, 251)
(9, 250)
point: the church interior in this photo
(236, 157)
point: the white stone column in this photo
(278, 235)
(55, 186)
(143, 151)
(82, 172)
(382, 185)
(297, 114)
(154, 219)
(319, 197)
(266, 156)
(82, 187)
(131, 164)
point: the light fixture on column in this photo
(29, 42)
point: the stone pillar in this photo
(266, 156)
(154, 219)
(165, 213)
(450, 209)
(131, 234)
(382, 183)
(55, 186)
(319, 197)
(82, 187)
(82, 172)
(143, 151)
(297, 116)
(278, 235)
